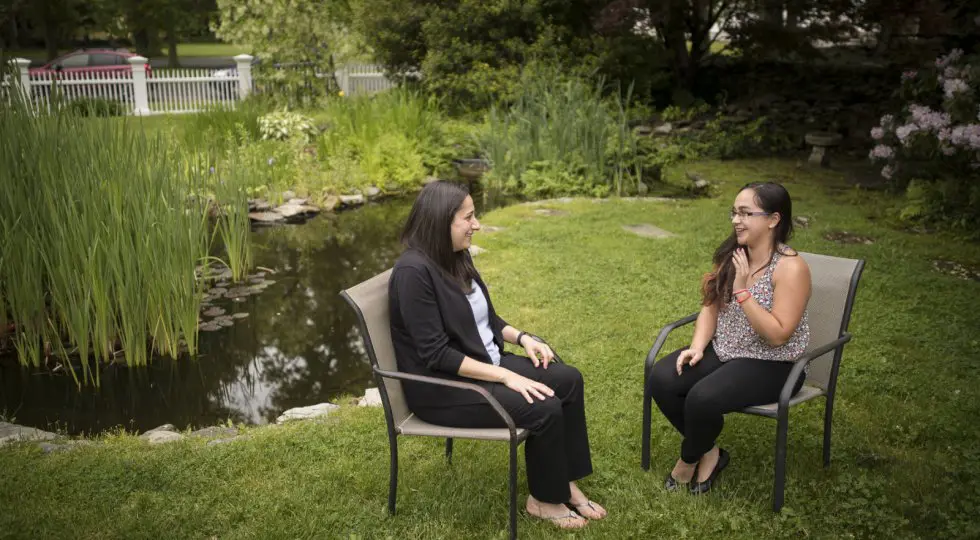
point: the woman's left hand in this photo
(741, 262)
(539, 353)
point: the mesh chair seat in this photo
(413, 425)
(806, 393)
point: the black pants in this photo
(697, 400)
(557, 451)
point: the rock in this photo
(641, 188)
(298, 202)
(291, 211)
(845, 237)
(209, 327)
(161, 437)
(330, 203)
(304, 413)
(371, 398)
(217, 291)
(66, 446)
(239, 315)
(258, 205)
(801, 221)
(12, 433)
(214, 432)
(266, 217)
(372, 192)
(664, 129)
(214, 312)
(216, 442)
(648, 231)
(699, 185)
(49, 448)
(476, 250)
(643, 131)
(286, 195)
(352, 200)
(165, 427)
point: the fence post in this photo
(244, 64)
(24, 83)
(141, 98)
(342, 76)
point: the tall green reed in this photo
(564, 127)
(101, 239)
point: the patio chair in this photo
(835, 282)
(370, 301)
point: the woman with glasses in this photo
(752, 325)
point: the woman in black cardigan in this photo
(444, 325)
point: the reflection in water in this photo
(298, 346)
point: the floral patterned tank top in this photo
(735, 338)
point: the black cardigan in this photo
(433, 328)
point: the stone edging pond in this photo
(48, 442)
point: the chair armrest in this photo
(661, 339)
(537, 338)
(800, 364)
(456, 384)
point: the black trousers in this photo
(557, 450)
(697, 400)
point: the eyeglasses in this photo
(742, 214)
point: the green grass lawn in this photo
(905, 443)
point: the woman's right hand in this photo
(690, 357)
(527, 387)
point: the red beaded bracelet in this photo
(744, 299)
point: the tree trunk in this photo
(50, 41)
(793, 10)
(172, 60)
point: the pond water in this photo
(299, 344)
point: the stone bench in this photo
(822, 142)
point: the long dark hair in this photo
(428, 230)
(772, 198)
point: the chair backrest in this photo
(370, 300)
(835, 281)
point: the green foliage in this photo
(299, 41)
(562, 127)
(391, 140)
(471, 52)
(931, 146)
(285, 125)
(598, 294)
(101, 237)
(95, 107)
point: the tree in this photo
(299, 40)
(472, 50)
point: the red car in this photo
(90, 61)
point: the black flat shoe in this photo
(700, 488)
(672, 484)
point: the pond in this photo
(299, 344)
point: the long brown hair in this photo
(428, 229)
(772, 198)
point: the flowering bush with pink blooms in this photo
(932, 146)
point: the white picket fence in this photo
(144, 91)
